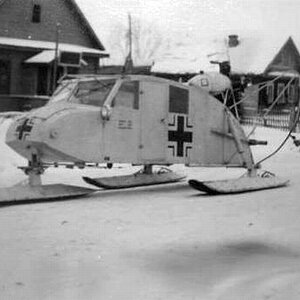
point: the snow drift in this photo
(157, 242)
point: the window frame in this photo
(280, 87)
(179, 101)
(135, 92)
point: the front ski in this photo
(134, 180)
(40, 193)
(240, 185)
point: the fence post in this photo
(295, 107)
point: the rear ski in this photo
(240, 185)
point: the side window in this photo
(128, 95)
(178, 100)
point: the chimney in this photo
(233, 40)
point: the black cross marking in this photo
(24, 129)
(180, 136)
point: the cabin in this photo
(41, 41)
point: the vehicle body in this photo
(129, 119)
(132, 119)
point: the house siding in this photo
(16, 59)
(287, 58)
(16, 22)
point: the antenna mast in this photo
(128, 66)
(130, 37)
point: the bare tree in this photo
(146, 42)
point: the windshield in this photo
(63, 91)
(92, 92)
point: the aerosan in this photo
(142, 120)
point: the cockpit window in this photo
(128, 95)
(63, 91)
(92, 92)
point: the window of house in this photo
(292, 93)
(127, 95)
(270, 94)
(178, 100)
(36, 13)
(280, 93)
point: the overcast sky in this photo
(198, 18)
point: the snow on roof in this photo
(186, 57)
(34, 44)
(181, 66)
(290, 73)
(252, 55)
(45, 57)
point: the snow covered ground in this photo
(166, 242)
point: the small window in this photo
(204, 82)
(127, 95)
(36, 13)
(179, 100)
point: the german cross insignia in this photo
(24, 129)
(180, 135)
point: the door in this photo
(42, 83)
(120, 132)
(153, 133)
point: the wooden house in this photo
(268, 69)
(40, 41)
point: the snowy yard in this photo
(166, 242)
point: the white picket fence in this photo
(280, 119)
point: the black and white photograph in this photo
(150, 150)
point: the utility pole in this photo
(55, 63)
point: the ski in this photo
(134, 180)
(240, 185)
(33, 194)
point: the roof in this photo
(85, 22)
(185, 58)
(45, 57)
(253, 55)
(44, 45)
